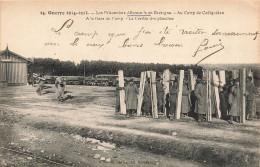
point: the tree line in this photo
(55, 67)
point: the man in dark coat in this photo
(201, 95)
(131, 92)
(250, 96)
(223, 102)
(160, 95)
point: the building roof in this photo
(7, 50)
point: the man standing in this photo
(60, 85)
(185, 102)
(201, 95)
(250, 96)
(234, 101)
(160, 95)
(131, 92)
(173, 91)
(147, 103)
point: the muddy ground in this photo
(84, 131)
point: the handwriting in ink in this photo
(204, 47)
(68, 23)
(75, 43)
(141, 31)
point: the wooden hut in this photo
(13, 68)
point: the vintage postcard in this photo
(124, 83)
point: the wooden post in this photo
(216, 85)
(141, 92)
(166, 84)
(209, 115)
(154, 95)
(179, 98)
(243, 98)
(251, 74)
(222, 78)
(121, 92)
(191, 80)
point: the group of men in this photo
(192, 101)
(60, 86)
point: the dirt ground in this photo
(84, 131)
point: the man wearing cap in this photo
(131, 92)
(250, 96)
(234, 101)
(147, 104)
(160, 95)
(201, 94)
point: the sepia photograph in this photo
(129, 83)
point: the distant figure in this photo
(60, 85)
(201, 94)
(250, 97)
(40, 85)
(185, 103)
(131, 92)
(33, 78)
(147, 103)
(173, 91)
(234, 101)
(160, 95)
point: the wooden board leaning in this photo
(141, 92)
(154, 95)
(166, 84)
(121, 92)
(179, 98)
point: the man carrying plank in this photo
(201, 95)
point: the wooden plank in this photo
(243, 98)
(191, 80)
(251, 74)
(141, 92)
(166, 84)
(179, 98)
(216, 85)
(209, 114)
(121, 92)
(154, 95)
(222, 78)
